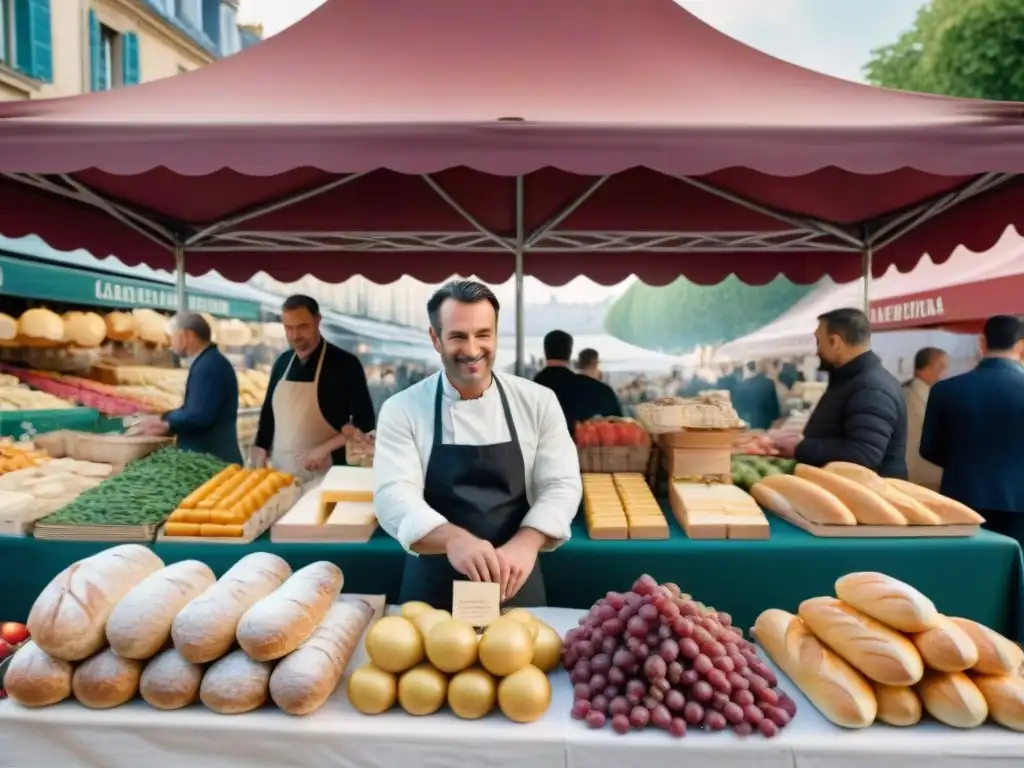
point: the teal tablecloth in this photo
(978, 577)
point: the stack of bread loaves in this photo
(121, 623)
(882, 651)
(847, 494)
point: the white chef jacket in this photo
(405, 437)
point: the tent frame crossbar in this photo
(801, 234)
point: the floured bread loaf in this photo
(106, 680)
(235, 684)
(170, 682)
(36, 679)
(69, 618)
(204, 630)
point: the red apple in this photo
(6, 649)
(13, 632)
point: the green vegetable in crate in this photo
(744, 475)
(145, 493)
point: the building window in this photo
(191, 12)
(114, 56)
(230, 38)
(110, 49)
(7, 32)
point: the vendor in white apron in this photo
(474, 473)
(315, 389)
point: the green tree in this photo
(966, 48)
(679, 316)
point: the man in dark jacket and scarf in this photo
(862, 417)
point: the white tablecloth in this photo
(136, 736)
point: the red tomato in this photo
(13, 633)
(586, 435)
(5, 649)
(607, 434)
(627, 434)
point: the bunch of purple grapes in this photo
(654, 656)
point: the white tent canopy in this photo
(616, 356)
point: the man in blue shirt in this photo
(207, 420)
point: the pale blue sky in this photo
(832, 36)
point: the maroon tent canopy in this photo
(596, 137)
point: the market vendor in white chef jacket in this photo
(475, 472)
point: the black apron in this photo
(481, 488)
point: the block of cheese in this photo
(749, 528)
(648, 528)
(347, 484)
(608, 529)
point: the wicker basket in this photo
(632, 458)
(117, 450)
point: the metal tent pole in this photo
(867, 256)
(520, 248)
(179, 277)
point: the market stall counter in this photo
(979, 577)
(337, 734)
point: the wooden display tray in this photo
(312, 520)
(261, 521)
(880, 531)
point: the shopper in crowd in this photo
(474, 473)
(580, 396)
(862, 417)
(731, 377)
(974, 430)
(755, 398)
(315, 389)
(930, 365)
(207, 420)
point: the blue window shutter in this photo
(130, 74)
(34, 39)
(97, 72)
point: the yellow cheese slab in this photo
(352, 513)
(347, 484)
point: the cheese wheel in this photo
(791, 496)
(867, 506)
(140, 624)
(880, 653)
(914, 511)
(8, 328)
(84, 329)
(41, 324)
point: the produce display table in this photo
(979, 577)
(70, 735)
(12, 423)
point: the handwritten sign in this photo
(476, 602)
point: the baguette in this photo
(170, 681)
(204, 630)
(1004, 695)
(790, 496)
(949, 511)
(868, 507)
(140, 624)
(106, 680)
(996, 654)
(69, 618)
(277, 624)
(888, 600)
(36, 679)
(897, 705)
(946, 647)
(307, 677)
(835, 688)
(951, 698)
(235, 684)
(914, 511)
(881, 654)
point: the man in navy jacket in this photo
(207, 420)
(974, 430)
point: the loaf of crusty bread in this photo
(106, 680)
(1004, 696)
(914, 511)
(169, 681)
(897, 705)
(235, 684)
(996, 654)
(305, 679)
(69, 618)
(888, 600)
(140, 624)
(791, 496)
(946, 647)
(838, 691)
(952, 698)
(278, 623)
(36, 679)
(867, 506)
(204, 630)
(949, 511)
(880, 653)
